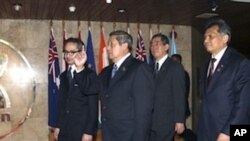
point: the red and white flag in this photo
(103, 55)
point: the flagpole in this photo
(158, 28)
(128, 29)
(114, 26)
(89, 25)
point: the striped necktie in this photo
(114, 70)
(211, 70)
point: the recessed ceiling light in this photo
(72, 8)
(206, 15)
(17, 6)
(108, 1)
(121, 10)
(241, 0)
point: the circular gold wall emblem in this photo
(17, 89)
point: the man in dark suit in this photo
(222, 83)
(178, 58)
(78, 100)
(126, 93)
(169, 101)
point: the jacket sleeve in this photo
(89, 85)
(88, 81)
(179, 88)
(143, 89)
(241, 107)
(92, 117)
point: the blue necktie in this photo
(114, 70)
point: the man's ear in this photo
(225, 38)
(166, 47)
(125, 46)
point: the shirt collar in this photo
(119, 63)
(162, 60)
(219, 55)
(73, 68)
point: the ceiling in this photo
(178, 12)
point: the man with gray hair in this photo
(126, 93)
(223, 78)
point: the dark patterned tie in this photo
(114, 70)
(156, 69)
(211, 70)
(69, 75)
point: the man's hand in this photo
(56, 133)
(80, 59)
(223, 137)
(179, 128)
(86, 137)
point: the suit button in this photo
(67, 111)
(103, 119)
(106, 95)
(104, 107)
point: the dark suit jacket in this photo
(187, 85)
(169, 105)
(127, 101)
(220, 99)
(78, 105)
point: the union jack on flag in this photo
(53, 79)
(140, 49)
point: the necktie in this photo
(69, 75)
(156, 70)
(114, 70)
(211, 70)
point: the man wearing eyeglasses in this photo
(78, 101)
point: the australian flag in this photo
(140, 48)
(53, 81)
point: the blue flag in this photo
(90, 53)
(172, 44)
(53, 81)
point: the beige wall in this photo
(31, 37)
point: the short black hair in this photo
(123, 37)
(163, 37)
(223, 26)
(177, 56)
(77, 41)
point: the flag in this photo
(64, 64)
(90, 53)
(172, 44)
(150, 57)
(140, 49)
(53, 81)
(79, 35)
(103, 55)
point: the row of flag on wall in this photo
(54, 67)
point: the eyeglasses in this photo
(71, 52)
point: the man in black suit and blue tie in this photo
(223, 84)
(126, 93)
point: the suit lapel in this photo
(224, 62)
(121, 71)
(163, 69)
